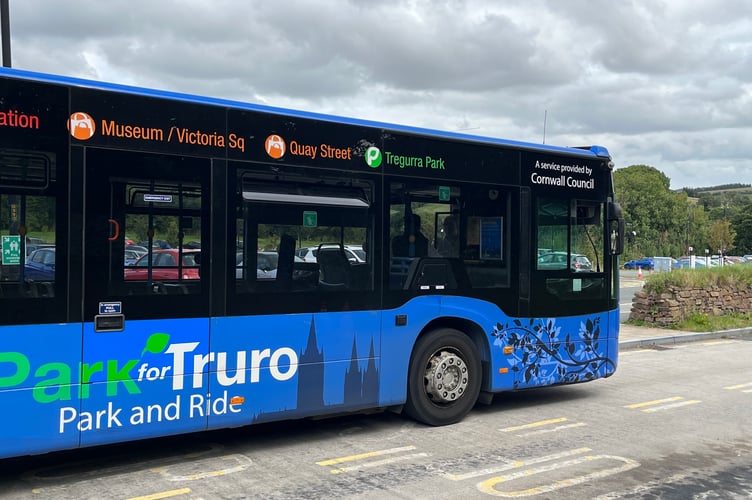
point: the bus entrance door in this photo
(146, 309)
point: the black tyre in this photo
(444, 378)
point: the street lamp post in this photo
(5, 26)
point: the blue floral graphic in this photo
(542, 357)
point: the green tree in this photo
(659, 218)
(742, 223)
(698, 229)
(722, 236)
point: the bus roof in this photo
(587, 151)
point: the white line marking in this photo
(377, 463)
(515, 465)
(555, 429)
(534, 424)
(487, 486)
(674, 405)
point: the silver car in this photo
(558, 261)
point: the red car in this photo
(164, 266)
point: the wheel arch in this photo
(472, 330)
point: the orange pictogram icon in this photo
(81, 126)
(275, 146)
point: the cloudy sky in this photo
(667, 83)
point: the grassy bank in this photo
(736, 275)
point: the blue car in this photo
(40, 265)
(645, 263)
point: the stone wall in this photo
(676, 304)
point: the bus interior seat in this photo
(161, 288)
(334, 266)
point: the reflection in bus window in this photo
(27, 229)
(303, 237)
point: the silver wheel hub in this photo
(446, 377)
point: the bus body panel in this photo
(552, 351)
(141, 380)
(544, 351)
(613, 336)
(397, 342)
(293, 366)
(39, 378)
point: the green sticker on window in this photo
(310, 219)
(11, 250)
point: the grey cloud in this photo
(667, 83)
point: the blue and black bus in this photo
(174, 263)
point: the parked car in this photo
(645, 263)
(557, 260)
(164, 266)
(130, 257)
(30, 247)
(138, 249)
(162, 244)
(354, 253)
(684, 263)
(40, 265)
(266, 265)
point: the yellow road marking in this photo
(164, 494)
(488, 486)
(655, 402)
(378, 463)
(739, 386)
(361, 456)
(534, 424)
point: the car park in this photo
(558, 261)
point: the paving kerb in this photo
(631, 336)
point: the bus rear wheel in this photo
(444, 378)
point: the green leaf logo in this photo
(156, 343)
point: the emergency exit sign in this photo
(11, 250)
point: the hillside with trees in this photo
(662, 222)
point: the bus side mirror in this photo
(615, 229)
